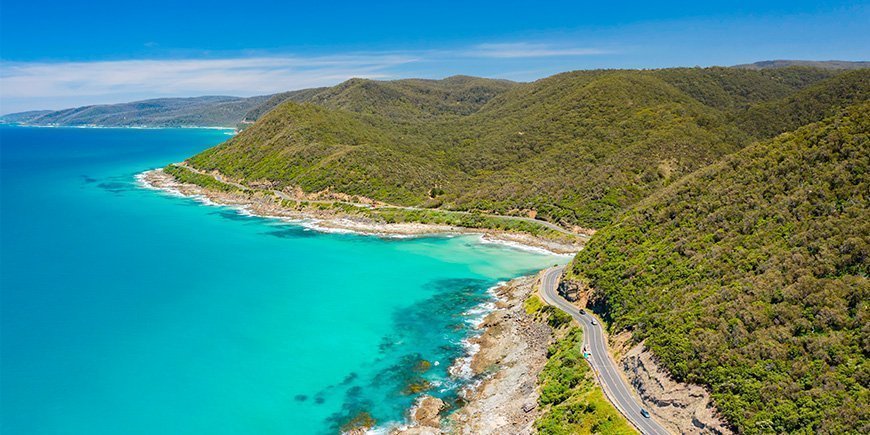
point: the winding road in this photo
(615, 386)
(283, 195)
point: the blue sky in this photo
(59, 54)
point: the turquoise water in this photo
(126, 310)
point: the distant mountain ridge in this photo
(207, 111)
(406, 97)
(824, 64)
(227, 111)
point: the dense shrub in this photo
(574, 403)
(751, 277)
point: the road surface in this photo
(283, 195)
(615, 386)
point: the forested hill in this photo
(732, 206)
(827, 64)
(209, 111)
(751, 276)
(575, 149)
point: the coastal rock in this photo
(683, 408)
(427, 412)
(425, 417)
(575, 291)
(266, 203)
(513, 350)
(359, 424)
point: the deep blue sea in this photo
(131, 311)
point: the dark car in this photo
(644, 413)
(582, 311)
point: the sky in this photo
(59, 54)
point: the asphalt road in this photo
(283, 195)
(615, 386)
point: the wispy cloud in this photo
(528, 49)
(162, 77)
(54, 85)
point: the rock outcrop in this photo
(427, 412)
(513, 350)
(575, 291)
(683, 408)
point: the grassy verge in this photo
(386, 214)
(572, 401)
(185, 175)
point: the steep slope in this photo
(275, 100)
(315, 149)
(576, 149)
(751, 276)
(808, 105)
(826, 64)
(413, 99)
(732, 89)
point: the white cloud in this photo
(527, 49)
(56, 85)
(111, 80)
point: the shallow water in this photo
(127, 310)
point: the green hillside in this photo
(273, 101)
(574, 149)
(826, 64)
(730, 88)
(740, 257)
(808, 105)
(751, 276)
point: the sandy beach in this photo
(504, 358)
(334, 221)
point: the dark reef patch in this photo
(415, 359)
(291, 232)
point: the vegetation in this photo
(575, 403)
(211, 111)
(275, 100)
(576, 148)
(185, 175)
(388, 215)
(533, 305)
(827, 64)
(739, 256)
(750, 276)
(808, 105)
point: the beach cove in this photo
(131, 309)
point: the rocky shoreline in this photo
(334, 221)
(512, 351)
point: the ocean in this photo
(130, 310)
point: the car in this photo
(582, 311)
(644, 413)
(594, 322)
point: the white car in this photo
(594, 322)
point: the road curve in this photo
(283, 195)
(615, 386)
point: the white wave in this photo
(487, 240)
(461, 367)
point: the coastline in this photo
(503, 354)
(132, 127)
(337, 222)
(502, 372)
